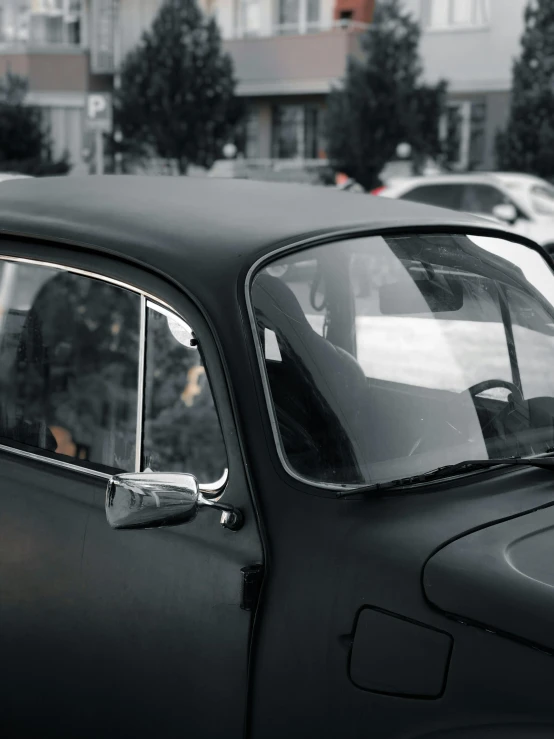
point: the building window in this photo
(287, 131)
(249, 18)
(297, 132)
(252, 144)
(463, 133)
(42, 22)
(298, 16)
(445, 14)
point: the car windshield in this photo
(391, 356)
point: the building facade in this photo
(471, 44)
(47, 42)
(287, 55)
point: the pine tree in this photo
(382, 101)
(25, 145)
(177, 99)
(527, 143)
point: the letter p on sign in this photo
(99, 111)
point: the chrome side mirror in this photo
(145, 500)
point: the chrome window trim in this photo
(213, 489)
(140, 386)
(92, 275)
(55, 462)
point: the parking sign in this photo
(99, 111)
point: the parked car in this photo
(6, 176)
(237, 501)
(524, 203)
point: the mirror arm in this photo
(231, 518)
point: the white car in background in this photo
(5, 176)
(523, 203)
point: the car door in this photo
(108, 633)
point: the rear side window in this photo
(90, 370)
(443, 196)
(483, 199)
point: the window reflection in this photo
(68, 365)
(389, 357)
(181, 426)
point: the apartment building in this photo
(287, 55)
(48, 42)
(472, 44)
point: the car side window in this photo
(77, 384)
(440, 195)
(483, 199)
(69, 357)
(181, 425)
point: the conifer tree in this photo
(177, 95)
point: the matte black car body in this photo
(396, 616)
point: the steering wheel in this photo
(480, 387)
(426, 439)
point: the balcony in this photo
(293, 63)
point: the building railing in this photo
(42, 23)
(300, 29)
(282, 164)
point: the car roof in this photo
(454, 178)
(4, 176)
(505, 178)
(198, 231)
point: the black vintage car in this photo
(275, 461)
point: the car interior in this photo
(339, 426)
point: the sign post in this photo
(99, 119)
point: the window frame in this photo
(243, 29)
(443, 186)
(147, 300)
(451, 24)
(302, 25)
(311, 242)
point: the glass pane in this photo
(477, 135)
(542, 197)
(287, 130)
(68, 365)
(289, 16)
(438, 13)
(250, 16)
(442, 196)
(482, 12)
(462, 12)
(181, 427)
(312, 10)
(454, 131)
(40, 21)
(312, 132)
(482, 199)
(389, 357)
(252, 134)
